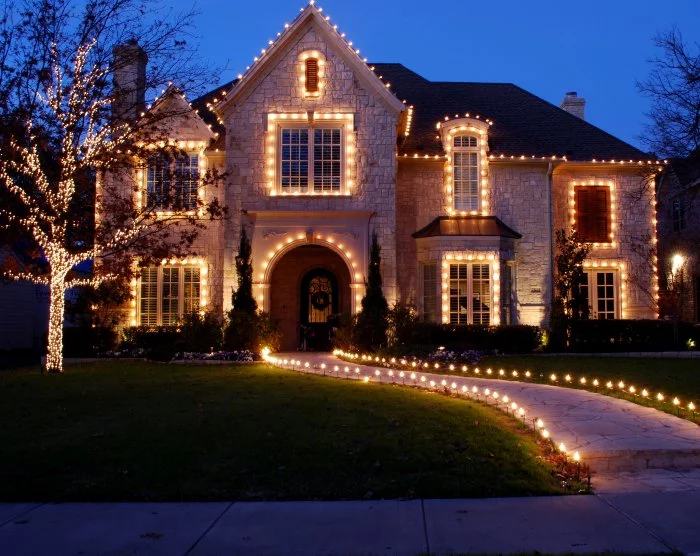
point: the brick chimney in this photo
(129, 80)
(574, 104)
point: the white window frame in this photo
(310, 188)
(469, 150)
(592, 278)
(470, 293)
(311, 121)
(200, 302)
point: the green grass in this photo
(119, 431)
(670, 376)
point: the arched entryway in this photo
(309, 289)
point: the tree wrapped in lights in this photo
(64, 156)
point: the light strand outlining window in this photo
(470, 294)
(465, 168)
(171, 184)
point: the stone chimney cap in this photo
(572, 94)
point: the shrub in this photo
(370, 331)
(86, 341)
(200, 333)
(157, 343)
(630, 335)
(504, 339)
(403, 326)
(245, 331)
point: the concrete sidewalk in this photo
(609, 433)
(641, 520)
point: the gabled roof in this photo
(687, 170)
(523, 124)
(175, 108)
(485, 226)
(311, 15)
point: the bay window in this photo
(469, 293)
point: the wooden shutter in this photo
(311, 75)
(593, 214)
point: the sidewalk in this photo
(633, 522)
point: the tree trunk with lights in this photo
(57, 306)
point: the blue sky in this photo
(598, 48)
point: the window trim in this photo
(466, 150)
(490, 258)
(311, 121)
(182, 265)
(592, 287)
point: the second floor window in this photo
(311, 159)
(465, 179)
(593, 214)
(172, 183)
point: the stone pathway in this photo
(610, 434)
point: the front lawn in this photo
(139, 431)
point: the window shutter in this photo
(311, 75)
(593, 214)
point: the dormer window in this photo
(465, 173)
(312, 75)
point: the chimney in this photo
(129, 80)
(574, 104)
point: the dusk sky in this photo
(598, 48)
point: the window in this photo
(678, 215)
(599, 289)
(429, 272)
(167, 294)
(311, 75)
(593, 214)
(171, 184)
(470, 294)
(508, 306)
(465, 177)
(311, 159)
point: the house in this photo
(678, 194)
(464, 185)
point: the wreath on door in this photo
(320, 300)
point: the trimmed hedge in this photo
(630, 335)
(85, 341)
(504, 339)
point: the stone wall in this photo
(279, 91)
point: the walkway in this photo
(610, 434)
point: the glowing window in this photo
(465, 170)
(470, 294)
(167, 294)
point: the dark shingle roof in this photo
(466, 226)
(523, 124)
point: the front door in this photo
(319, 301)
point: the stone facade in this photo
(394, 195)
